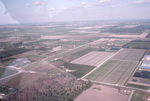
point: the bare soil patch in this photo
(105, 94)
(93, 58)
(109, 40)
(52, 37)
(130, 36)
(23, 80)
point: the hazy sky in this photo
(29, 11)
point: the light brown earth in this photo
(130, 36)
(129, 54)
(10, 39)
(44, 68)
(93, 58)
(104, 39)
(22, 80)
(105, 94)
(52, 37)
(56, 49)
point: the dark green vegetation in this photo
(7, 89)
(142, 74)
(121, 30)
(78, 54)
(137, 96)
(138, 86)
(148, 36)
(70, 43)
(12, 52)
(138, 44)
(83, 52)
(6, 72)
(78, 70)
(57, 88)
(34, 29)
(6, 61)
(93, 38)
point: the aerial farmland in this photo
(68, 61)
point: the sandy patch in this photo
(104, 39)
(129, 26)
(56, 49)
(72, 40)
(104, 94)
(10, 39)
(130, 36)
(53, 37)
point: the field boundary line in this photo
(118, 86)
(101, 64)
(11, 75)
(131, 95)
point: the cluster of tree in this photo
(117, 29)
(12, 52)
(148, 36)
(7, 90)
(54, 89)
(138, 44)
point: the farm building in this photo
(148, 98)
(146, 63)
(144, 67)
(148, 56)
(2, 96)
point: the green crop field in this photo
(137, 96)
(138, 44)
(69, 52)
(113, 71)
(78, 70)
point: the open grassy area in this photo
(78, 70)
(34, 65)
(70, 43)
(100, 70)
(138, 86)
(137, 96)
(35, 56)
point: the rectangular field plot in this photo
(114, 72)
(93, 58)
(130, 54)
